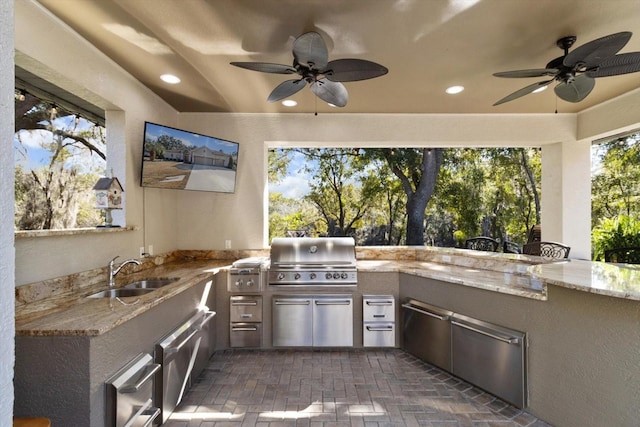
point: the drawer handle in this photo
(437, 316)
(153, 414)
(379, 302)
(246, 316)
(244, 303)
(143, 410)
(151, 369)
(247, 329)
(293, 302)
(380, 316)
(334, 302)
(182, 344)
(508, 340)
(379, 328)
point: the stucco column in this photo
(566, 196)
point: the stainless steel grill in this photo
(306, 261)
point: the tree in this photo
(58, 194)
(616, 181)
(339, 190)
(417, 169)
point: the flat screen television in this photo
(182, 160)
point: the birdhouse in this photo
(108, 193)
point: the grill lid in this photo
(301, 252)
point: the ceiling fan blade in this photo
(618, 64)
(332, 92)
(286, 89)
(536, 72)
(577, 90)
(311, 51)
(266, 67)
(524, 91)
(591, 54)
(351, 70)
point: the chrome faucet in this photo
(113, 272)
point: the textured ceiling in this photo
(427, 45)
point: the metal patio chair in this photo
(548, 250)
(628, 255)
(482, 243)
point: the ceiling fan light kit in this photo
(311, 63)
(577, 70)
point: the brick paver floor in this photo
(355, 387)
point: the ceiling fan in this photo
(576, 71)
(311, 63)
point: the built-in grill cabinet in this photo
(245, 321)
(378, 321)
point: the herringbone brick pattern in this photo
(315, 388)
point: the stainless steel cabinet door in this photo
(292, 322)
(333, 322)
(426, 333)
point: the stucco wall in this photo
(54, 52)
(207, 220)
(7, 261)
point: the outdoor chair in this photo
(628, 255)
(548, 250)
(510, 247)
(482, 243)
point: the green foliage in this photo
(615, 184)
(369, 193)
(619, 232)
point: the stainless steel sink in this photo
(120, 293)
(148, 284)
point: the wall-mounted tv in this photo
(183, 160)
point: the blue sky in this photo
(295, 184)
(30, 154)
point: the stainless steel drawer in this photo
(378, 308)
(491, 357)
(245, 334)
(379, 334)
(245, 308)
(129, 394)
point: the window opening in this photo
(375, 194)
(615, 194)
(59, 154)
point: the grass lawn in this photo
(165, 174)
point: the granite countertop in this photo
(506, 282)
(614, 280)
(69, 312)
(73, 314)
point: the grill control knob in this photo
(280, 276)
(312, 276)
(250, 282)
(336, 275)
(328, 275)
(344, 275)
(239, 283)
(296, 276)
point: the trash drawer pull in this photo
(508, 340)
(152, 368)
(428, 313)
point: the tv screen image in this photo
(182, 160)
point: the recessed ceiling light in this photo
(454, 89)
(170, 78)
(289, 103)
